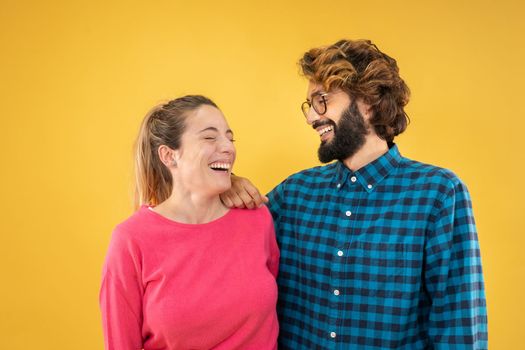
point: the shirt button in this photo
(336, 292)
(348, 213)
(369, 186)
(332, 334)
(340, 253)
(338, 185)
(353, 179)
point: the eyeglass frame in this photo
(312, 105)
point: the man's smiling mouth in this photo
(325, 130)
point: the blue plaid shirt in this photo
(386, 257)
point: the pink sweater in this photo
(169, 285)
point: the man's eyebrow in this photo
(316, 93)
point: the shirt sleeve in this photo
(453, 276)
(273, 260)
(120, 295)
(276, 205)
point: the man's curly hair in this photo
(361, 70)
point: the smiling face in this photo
(206, 156)
(336, 103)
(342, 128)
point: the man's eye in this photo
(318, 100)
(209, 138)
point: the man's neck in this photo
(373, 148)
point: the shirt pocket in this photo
(387, 262)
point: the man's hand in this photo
(242, 194)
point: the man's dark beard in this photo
(349, 136)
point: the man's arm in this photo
(242, 194)
(453, 276)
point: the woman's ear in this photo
(167, 156)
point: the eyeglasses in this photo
(318, 103)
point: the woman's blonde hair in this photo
(163, 125)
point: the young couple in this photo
(372, 251)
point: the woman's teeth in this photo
(220, 166)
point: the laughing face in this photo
(206, 156)
(342, 128)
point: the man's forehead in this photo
(314, 88)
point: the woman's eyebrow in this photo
(212, 128)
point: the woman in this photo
(184, 271)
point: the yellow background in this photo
(76, 78)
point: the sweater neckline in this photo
(146, 209)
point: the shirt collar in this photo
(371, 174)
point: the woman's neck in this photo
(191, 208)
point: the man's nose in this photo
(312, 116)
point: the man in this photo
(377, 251)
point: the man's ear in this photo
(167, 156)
(365, 109)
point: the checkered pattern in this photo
(386, 257)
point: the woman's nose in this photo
(227, 146)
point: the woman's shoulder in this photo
(252, 219)
(134, 226)
(261, 213)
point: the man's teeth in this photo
(325, 130)
(223, 166)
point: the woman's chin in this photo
(216, 189)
